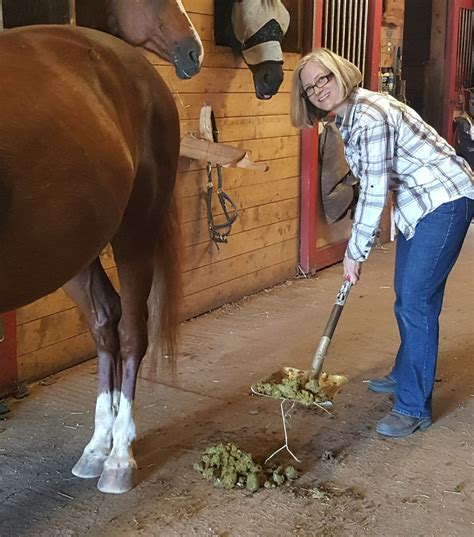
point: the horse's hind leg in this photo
(134, 254)
(94, 294)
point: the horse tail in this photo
(166, 292)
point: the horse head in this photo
(161, 26)
(259, 26)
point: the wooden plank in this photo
(218, 56)
(197, 232)
(51, 359)
(207, 255)
(214, 80)
(205, 7)
(231, 104)
(194, 182)
(194, 208)
(54, 302)
(48, 330)
(48, 305)
(246, 128)
(261, 150)
(52, 329)
(229, 268)
(246, 285)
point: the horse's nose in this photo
(268, 77)
(194, 56)
(188, 58)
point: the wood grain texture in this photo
(263, 245)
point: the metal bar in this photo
(326, 22)
(355, 32)
(343, 28)
(349, 33)
(459, 50)
(364, 46)
(357, 29)
(331, 42)
(338, 26)
(470, 45)
(1, 15)
(466, 49)
(361, 33)
(458, 46)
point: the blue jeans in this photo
(422, 266)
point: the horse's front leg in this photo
(119, 470)
(98, 301)
(134, 258)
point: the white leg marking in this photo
(98, 449)
(124, 434)
(119, 469)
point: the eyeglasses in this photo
(309, 91)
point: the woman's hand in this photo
(352, 270)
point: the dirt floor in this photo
(353, 482)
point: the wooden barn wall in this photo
(263, 246)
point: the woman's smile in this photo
(321, 87)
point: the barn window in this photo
(25, 12)
(345, 29)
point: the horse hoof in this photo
(116, 480)
(88, 466)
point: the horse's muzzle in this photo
(267, 78)
(187, 58)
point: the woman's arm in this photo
(376, 154)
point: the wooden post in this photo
(72, 12)
(309, 158)
(8, 358)
(374, 25)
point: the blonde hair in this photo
(303, 113)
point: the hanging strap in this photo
(218, 231)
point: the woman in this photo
(390, 148)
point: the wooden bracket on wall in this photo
(218, 154)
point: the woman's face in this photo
(321, 87)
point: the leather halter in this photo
(218, 231)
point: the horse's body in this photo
(89, 145)
(256, 28)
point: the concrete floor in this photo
(353, 482)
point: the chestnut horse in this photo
(89, 145)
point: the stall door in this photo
(350, 28)
(459, 66)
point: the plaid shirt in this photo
(389, 147)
